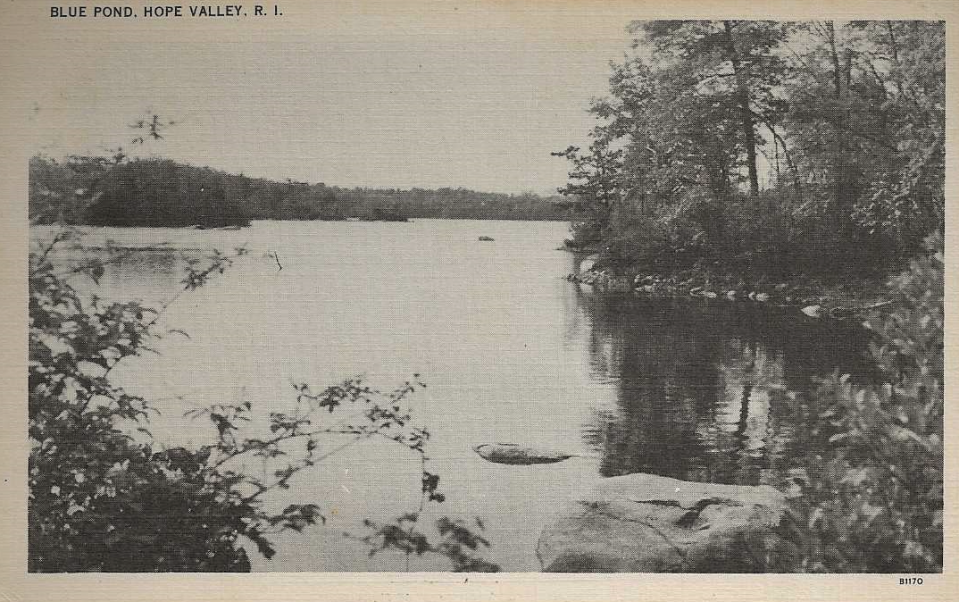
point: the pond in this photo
(511, 353)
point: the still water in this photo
(510, 351)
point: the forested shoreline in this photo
(789, 161)
(117, 191)
(742, 153)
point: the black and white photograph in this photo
(480, 287)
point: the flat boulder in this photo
(511, 453)
(649, 524)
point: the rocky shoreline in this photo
(808, 299)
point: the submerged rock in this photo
(511, 453)
(646, 523)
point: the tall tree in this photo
(733, 63)
(742, 99)
(867, 115)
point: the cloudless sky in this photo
(347, 93)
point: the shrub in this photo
(104, 497)
(873, 501)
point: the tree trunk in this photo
(742, 98)
(841, 193)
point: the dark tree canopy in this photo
(777, 143)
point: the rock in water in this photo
(645, 523)
(511, 453)
(588, 263)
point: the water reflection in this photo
(151, 275)
(708, 391)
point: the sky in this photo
(347, 93)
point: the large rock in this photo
(646, 523)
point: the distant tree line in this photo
(160, 192)
(767, 147)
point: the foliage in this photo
(57, 190)
(845, 121)
(158, 193)
(458, 542)
(100, 500)
(905, 198)
(595, 186)
(873, 501)
(105, 497)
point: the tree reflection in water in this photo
(714, 392)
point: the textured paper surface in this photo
(32, 73)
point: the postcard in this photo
(499, 300)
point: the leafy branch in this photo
(102, 498)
